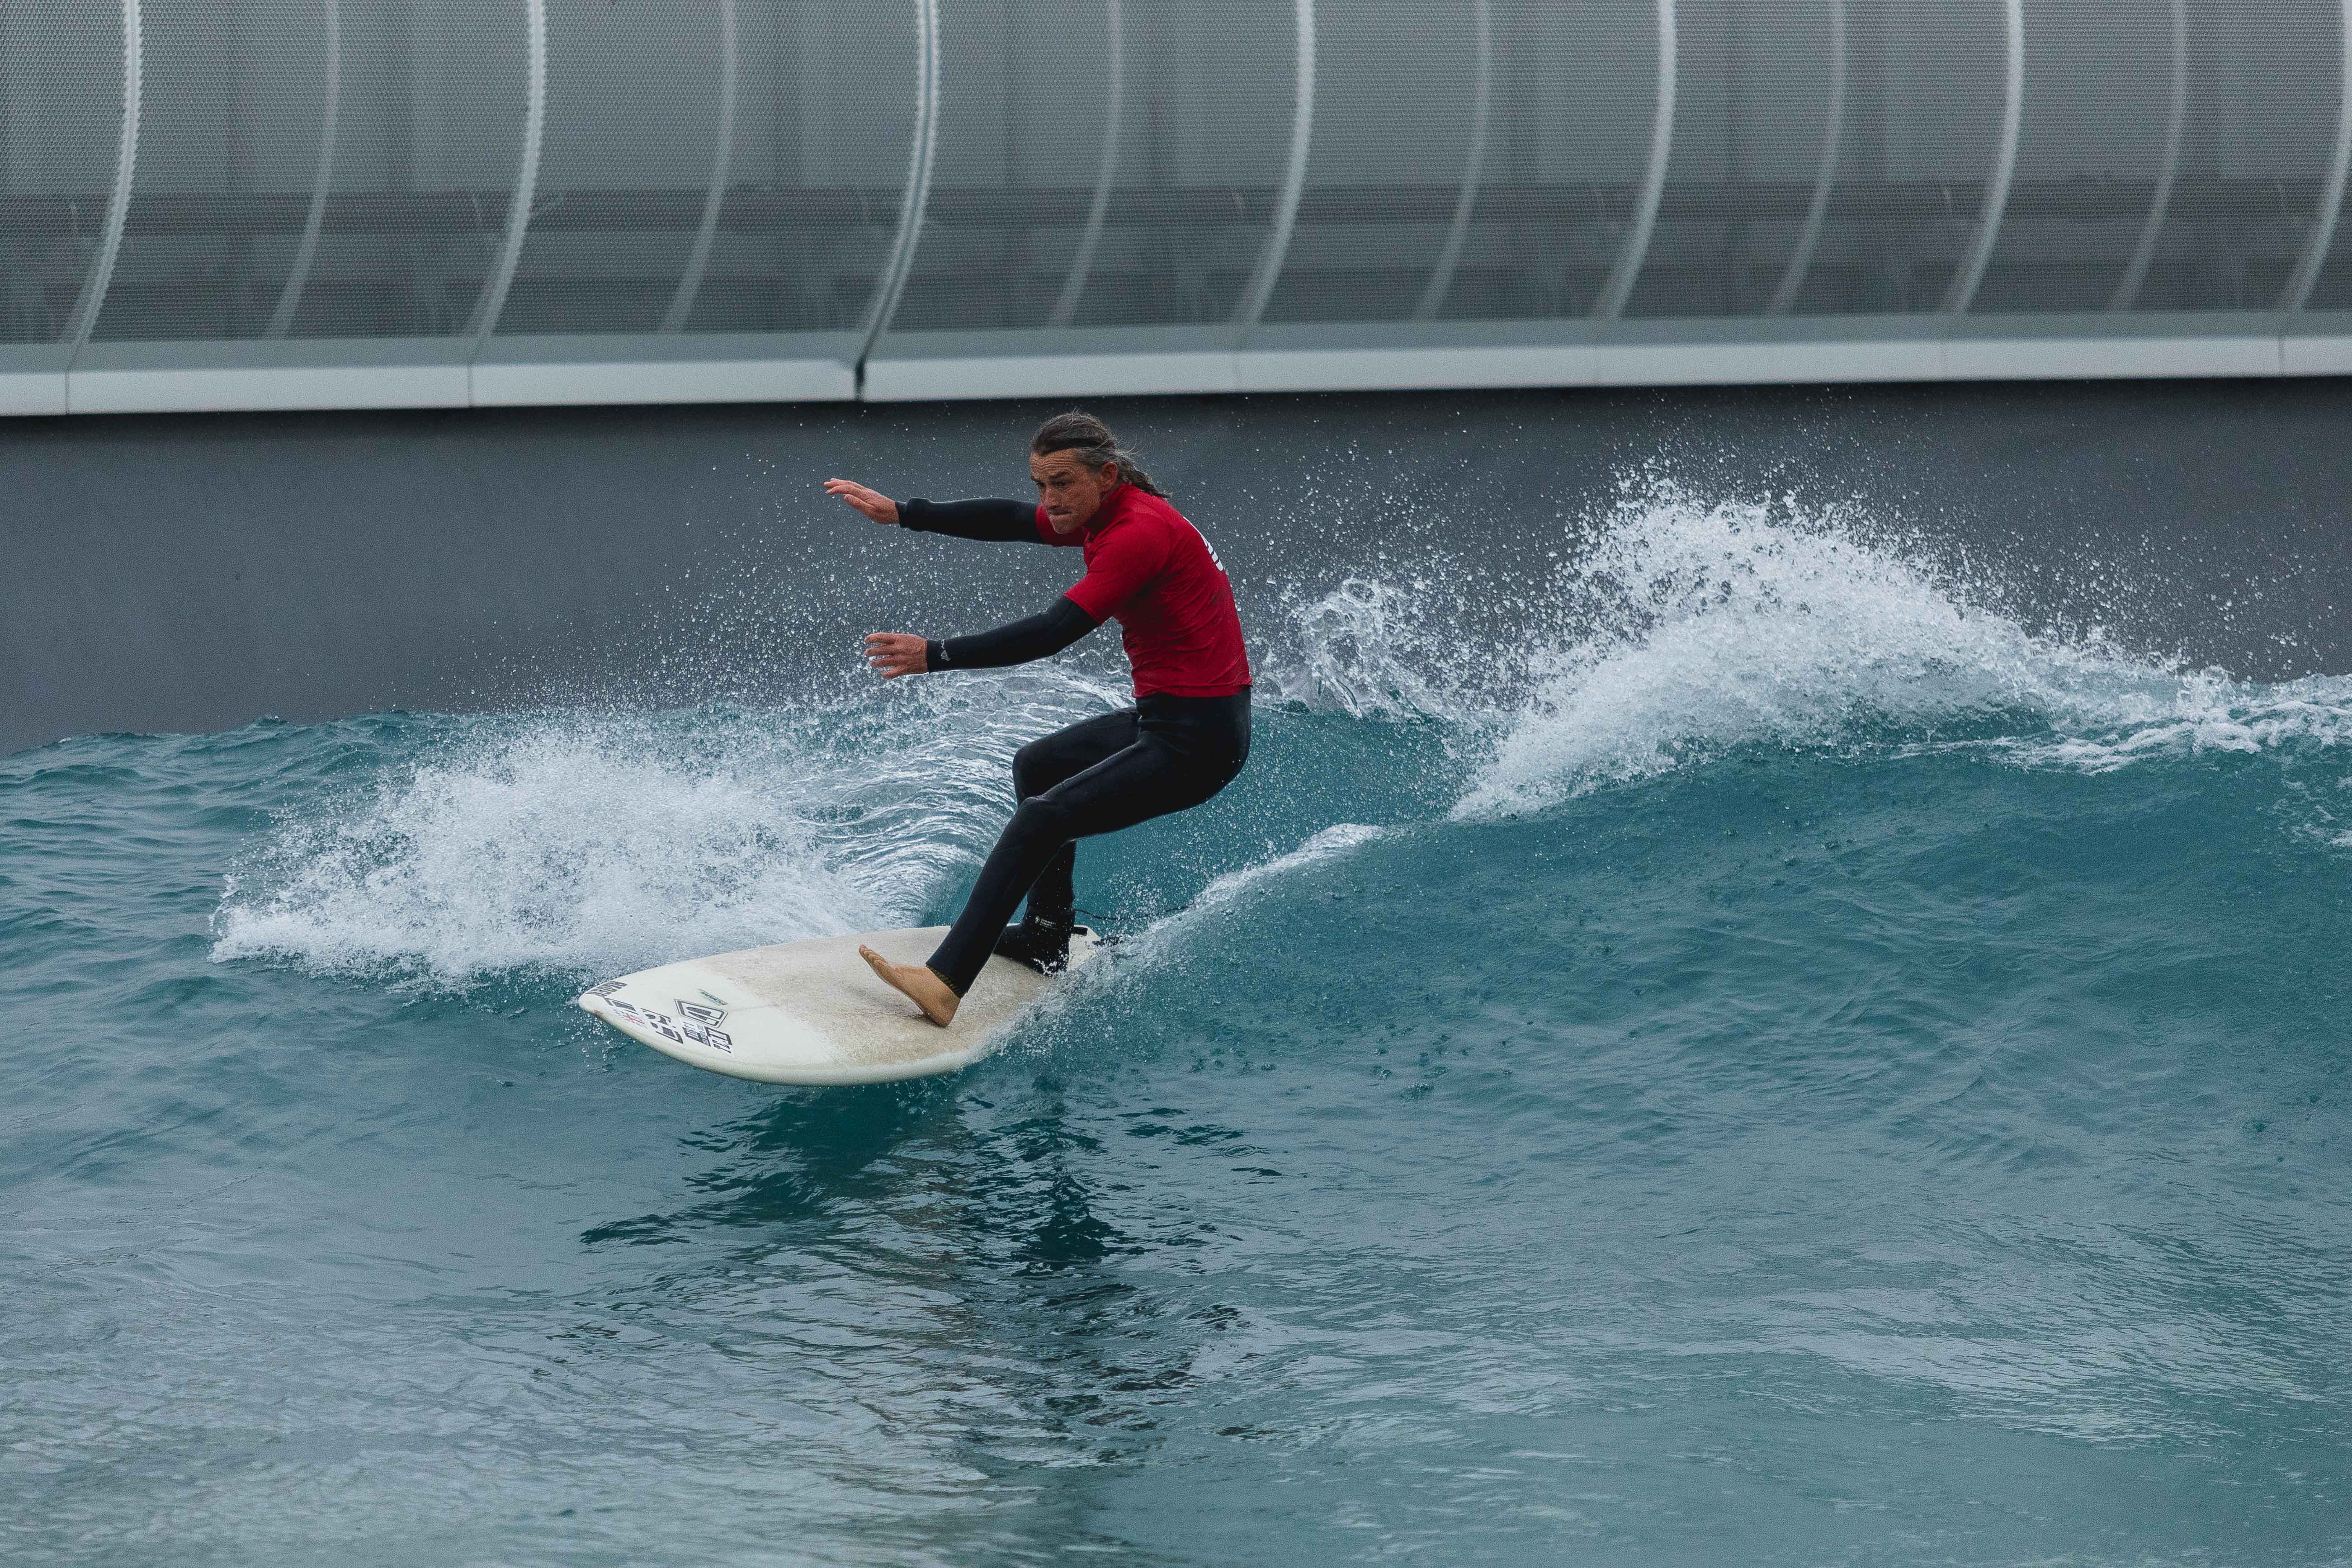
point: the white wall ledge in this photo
(126, 378)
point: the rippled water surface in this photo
(1790, 1064)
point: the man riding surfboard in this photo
(1185, 738)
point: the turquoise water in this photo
(1780, 1063)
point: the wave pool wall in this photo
(323, 204)
(179, 573)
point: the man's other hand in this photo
(871, 502)
(894, 654)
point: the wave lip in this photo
(1330, 842)
(1706, 627)
(1164, 941)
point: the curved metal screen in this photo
(68, 129)
(551, 200)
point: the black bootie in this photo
(1042, 945)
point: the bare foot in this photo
(918, 983)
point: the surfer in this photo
(1185, 738)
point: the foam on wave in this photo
(583, 843)
(1693, 627)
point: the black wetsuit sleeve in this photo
(1010, 520)
(1033, 636)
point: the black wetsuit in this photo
(1099, 775)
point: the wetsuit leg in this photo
(1038, 767)
(1186, 749)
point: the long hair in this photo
(1080, 432)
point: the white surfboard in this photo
(812, 1012)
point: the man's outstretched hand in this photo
(894, 654)
(871, 502)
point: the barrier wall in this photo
(214, 204)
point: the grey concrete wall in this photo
(192, 573)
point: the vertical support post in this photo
(2297, 292)
(84, 320)
(1809, 237)
(1636, 248)
(2175, 125)
(1963, 288)
(915, 201)
(298, 278)
(1294, 178)
(493, 302)
(1473, 165)
(722, 153)
(1065, 306)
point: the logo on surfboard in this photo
(701, 1027)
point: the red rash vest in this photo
(1149, 568)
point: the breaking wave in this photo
(1682, 631)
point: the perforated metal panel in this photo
(1105, 163)
(228, 131)
(633, 98)
(801, 196)
(522, 181)
(833, 96)
(431, 106)
(1758, 97)
(717, 166)
(61, 116)
(1031, 94)
(1402, 117)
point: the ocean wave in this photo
(1679, 630)
(584, 843)
(1692, 629)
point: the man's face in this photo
(1069, 489)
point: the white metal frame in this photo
(1627, 270)
(2175, 125)
(722, 154)
(916, 202)
(1474, 166)
(493, 301)
(1269, 271)
(1082, 263)
(2300, 282)
(331, 97)
(87, 309)
(1912, 349)
(1963, 289)
(1809, 237)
